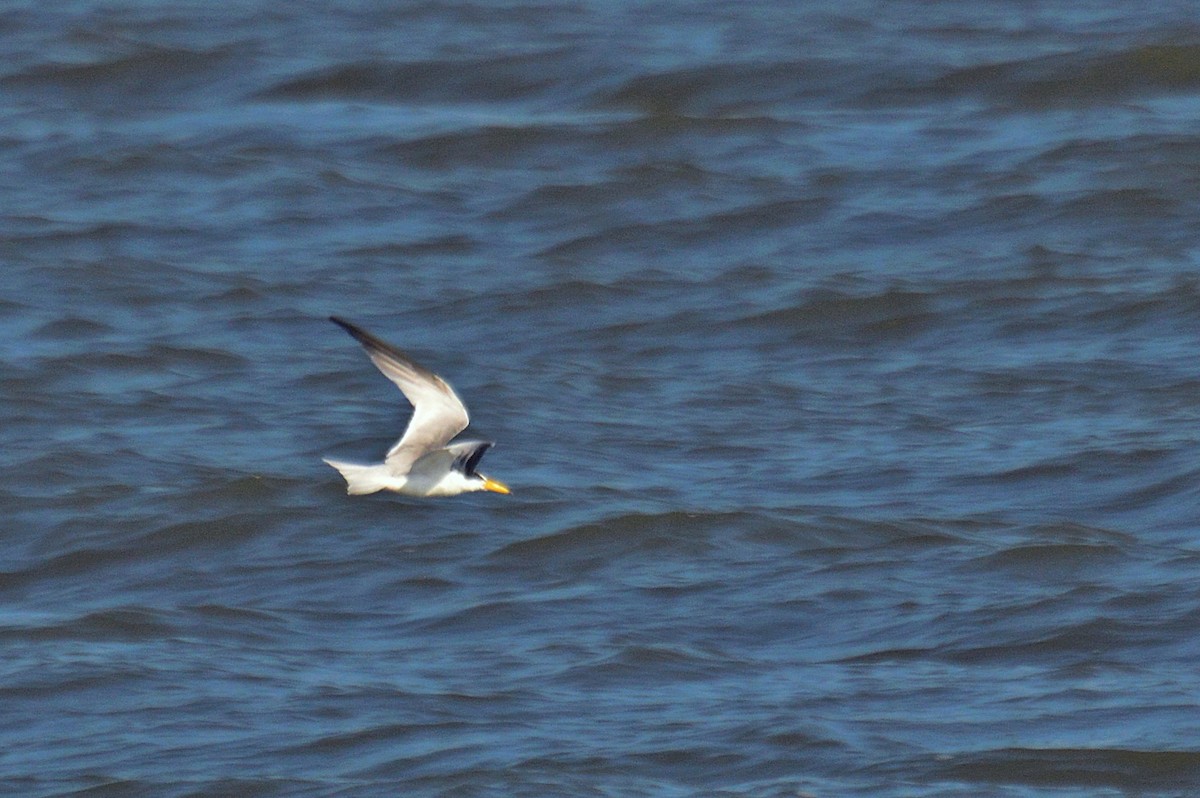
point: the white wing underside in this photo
(438, 413)
(435, 420)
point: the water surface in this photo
(841, 358)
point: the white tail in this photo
(361, 478)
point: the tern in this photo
(423, 462)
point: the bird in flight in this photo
(423, 462)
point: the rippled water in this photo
(841, 358)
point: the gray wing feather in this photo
(438, 413)
(467, 454)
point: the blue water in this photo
(841, 358)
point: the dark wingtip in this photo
(469, 462)
(377, 346)
(362, 335)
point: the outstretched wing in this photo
(438, 413)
